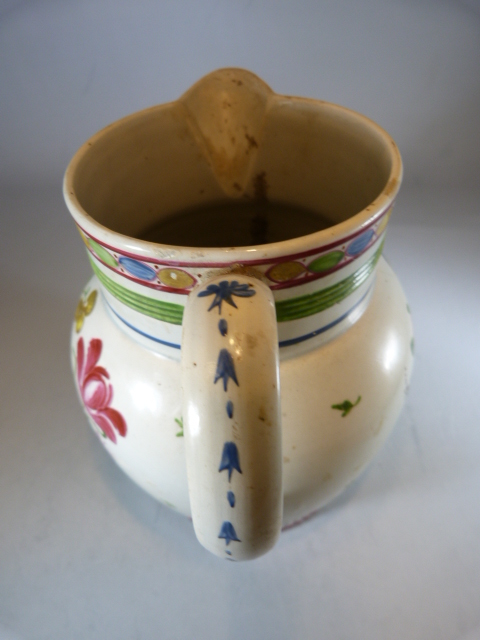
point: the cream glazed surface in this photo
(339, 400)
(247, 379)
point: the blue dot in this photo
(223, 327)
(231, 498)
(230, 409)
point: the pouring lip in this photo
(323, 239)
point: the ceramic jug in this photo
(245, 372)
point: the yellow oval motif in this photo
(84, 308)
(383, 223)
(286, 271)
(176, 278)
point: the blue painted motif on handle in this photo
(223, 292)
(230, 459)
(228, 533)
(225, 369)
(223, 326)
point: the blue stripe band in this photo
(307, 336)
(142, 333)
(283, 343)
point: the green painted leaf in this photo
(179, 421)
(346, 406)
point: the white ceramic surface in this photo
(85, 553)
(322, 451)
(344, 333)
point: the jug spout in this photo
(226, 113)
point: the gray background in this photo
(86, 554)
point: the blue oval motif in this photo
(137, 269)
(360, 243)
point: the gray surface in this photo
(86, 554)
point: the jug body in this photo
(243, 348)
(339, 399)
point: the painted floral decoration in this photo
(84, 308)
(96, 392)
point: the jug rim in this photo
(323, 239)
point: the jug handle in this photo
(232, 416)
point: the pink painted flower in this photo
(96, 391)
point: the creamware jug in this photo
(243, 349)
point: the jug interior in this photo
(234, 223)
(312, 165)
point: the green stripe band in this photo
(158, 309)
(293, 309)
(312, 303)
